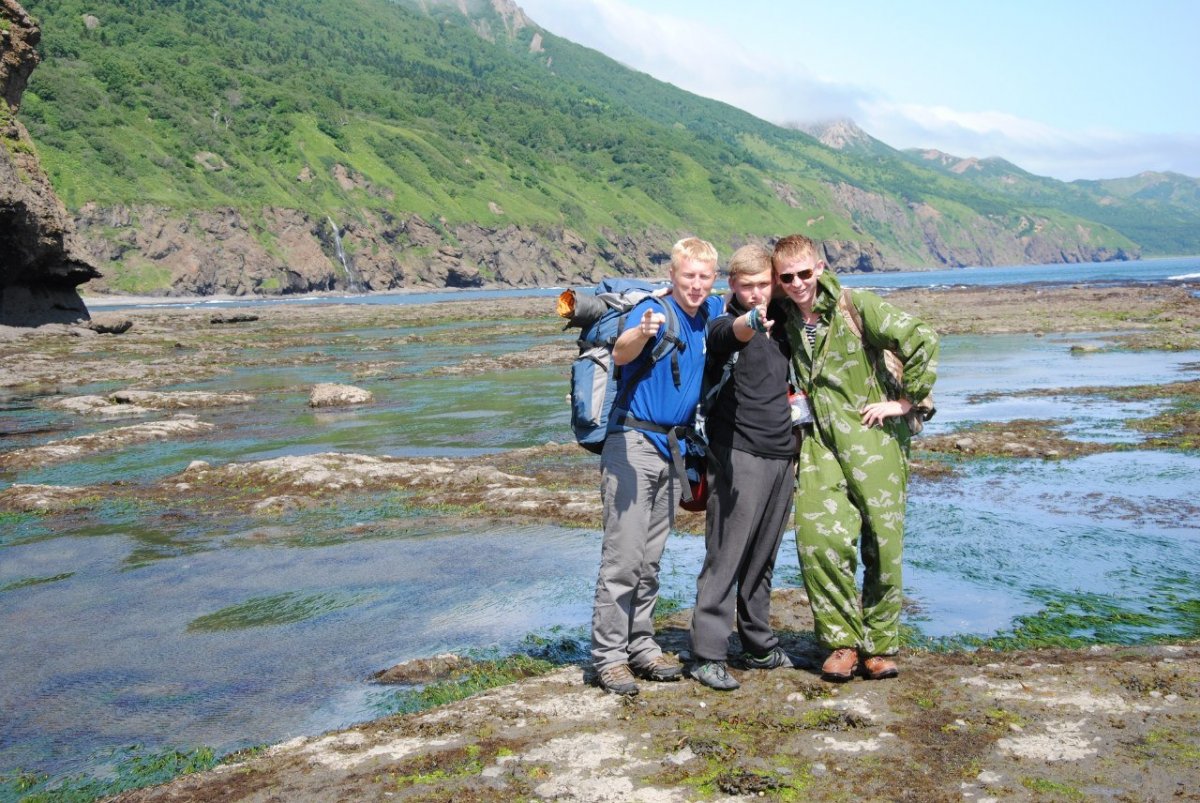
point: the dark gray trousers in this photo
(747, 513)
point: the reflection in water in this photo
(99, 620)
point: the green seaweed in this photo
(463, 683)
(1077, 619)
(273, 609)
(135, 768)
(1052, 790)
(34, 581)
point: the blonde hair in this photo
(750, 260)
(693, 248)
(794, 247)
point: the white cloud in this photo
(774, 84)
(1031, 145)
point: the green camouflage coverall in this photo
(853, 479)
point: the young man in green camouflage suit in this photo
(853, 471)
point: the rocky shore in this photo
(1108, 723)
(1099, 724)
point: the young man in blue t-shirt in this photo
(639, 488)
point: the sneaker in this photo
(775, 659)
(840, 665)
(659, 668)
(714, 675)
(617, 679)
(879, 667)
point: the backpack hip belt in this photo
(674, 434)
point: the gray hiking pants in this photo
(747, 514)
(640, 496)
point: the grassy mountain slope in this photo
(365, 108)
(1161, 211)
(126, 111)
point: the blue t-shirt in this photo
(655, 397)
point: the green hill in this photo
(1160, 211)
(189, 134)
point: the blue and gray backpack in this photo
(600, 315)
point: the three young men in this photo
(851, 481)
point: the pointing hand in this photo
(650, 322)
(758, 321)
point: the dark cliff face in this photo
(224, 251)
(40, 262)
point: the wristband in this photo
(755, 322)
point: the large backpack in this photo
(710, 389)
(600, 316)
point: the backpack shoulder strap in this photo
(850, 312)
(670, 338)
(671, 341)
(891, 360)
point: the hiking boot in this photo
(840, 665)
(659, 668)
(617, 679)
(775, 659)
(714, 675)
(878, 667)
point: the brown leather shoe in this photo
(878, 667)
(659, 668)
(617, 679)
(840, 665)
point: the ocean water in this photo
(123, 627)
(1149, 270)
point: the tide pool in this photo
(124, 625)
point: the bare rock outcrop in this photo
(283, 251)
(939, 239)
(121, 403)
(329, 394)
(851, 256)
(41, 264)
(179, 426)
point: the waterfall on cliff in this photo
(353, 283)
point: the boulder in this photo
(328, 394)
(422, 670)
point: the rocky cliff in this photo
(150, 250)
(156, 251)
(41, 264)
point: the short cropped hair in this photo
(693, 248)
(792, 248)
(750, 260)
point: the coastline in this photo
(989, 723)
(1104, 722)
(1066, 274)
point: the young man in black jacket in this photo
(751, 473)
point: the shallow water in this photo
(230, 631)
(1014, 533)
(1147, 270)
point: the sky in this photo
(1071, 89)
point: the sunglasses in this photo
(802, 275)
